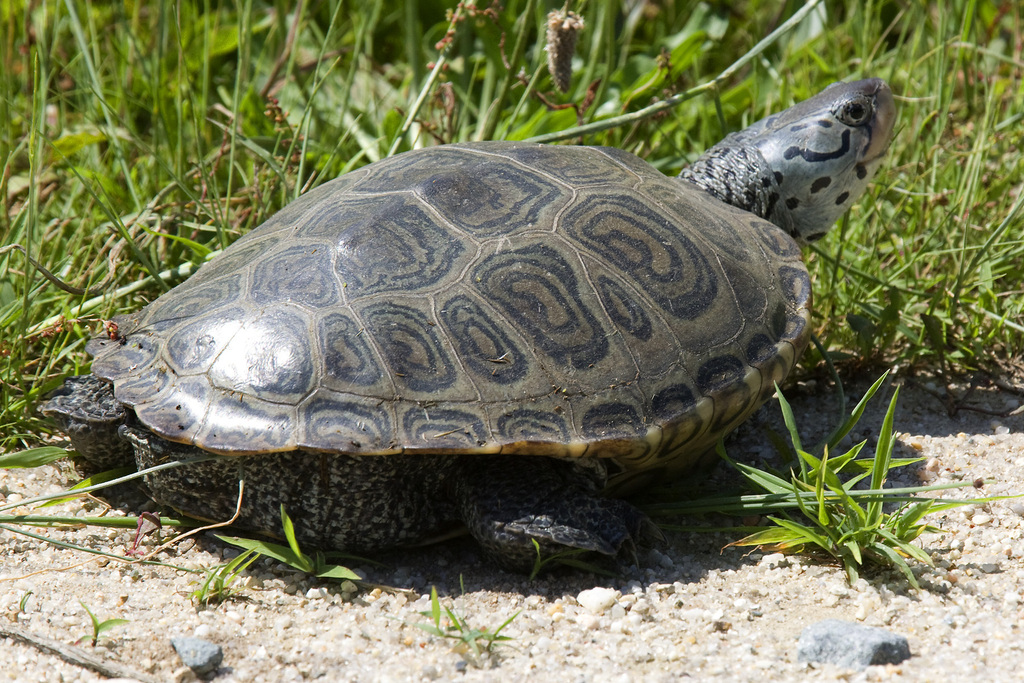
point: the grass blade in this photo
(883, 457)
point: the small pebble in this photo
(774, 560)
(597, 600)
(989, 566)
(317, 593)
(200, 655)
(850, 645)
(660, 559)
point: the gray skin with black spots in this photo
(808, 163)
(492, 335)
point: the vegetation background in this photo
(138, 138)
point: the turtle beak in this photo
(884, 120)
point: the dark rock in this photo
(851, 645)
(199, 655)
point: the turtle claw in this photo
(544, 529)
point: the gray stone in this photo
(850, 645)
(197, 654)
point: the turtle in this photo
(500, 336)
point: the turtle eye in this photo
(855, 111)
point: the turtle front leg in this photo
(508, 502)
(85, 409)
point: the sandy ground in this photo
(689, 610)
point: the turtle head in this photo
(803, 167)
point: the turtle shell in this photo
(476, 298)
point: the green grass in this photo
(829, 504)
(136, 140)
(99, 627)
(476, 645)
(831, 516)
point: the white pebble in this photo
(317, 593)
(989, 565)
(981, 518)
(597, 600)
(839, 590)
(774, 560)
(543, 644)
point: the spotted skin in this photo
(802, 168)
(485, 333)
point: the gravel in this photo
(689, 609)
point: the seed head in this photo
(563, 29)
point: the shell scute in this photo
(269, 357)
(476, 193)
(349, 361)
(392, 244)
(299, 274)
(640, 243)
(347, 423)
(443, 429)
(539, 291)
(418, 358)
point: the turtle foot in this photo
(85, 409)
(522, 510)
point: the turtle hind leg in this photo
(508, 502)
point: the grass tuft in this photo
(821, 506)
(474, 644)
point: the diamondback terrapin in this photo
(496, 334)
